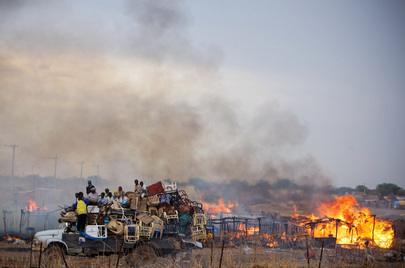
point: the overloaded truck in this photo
(165, 221)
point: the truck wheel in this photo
(141, 256)
(52, 257)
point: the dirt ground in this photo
(20, 256)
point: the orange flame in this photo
(250, 231)
(12, 238)
(213, 209)
(33, 206)
(354, 224)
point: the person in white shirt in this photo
(92, 195)
(109, 198)
(144, 190)
(102, 201)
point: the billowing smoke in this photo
(120, 86)
(267, 196)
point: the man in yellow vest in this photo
(81, 206)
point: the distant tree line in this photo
(383, 189)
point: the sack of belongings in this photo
(68, 217)
(115, 205)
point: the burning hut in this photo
(34, 216)
(339, 223)
(347, 223)
(227, 218)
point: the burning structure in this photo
(337, 223)
(348, 223)
(25, 222)
(32, 202)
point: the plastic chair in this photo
(131, 233)
(145, 230)
(165, 198)
(153, 211)
(171, 217)
(171, 187)
(157, 226)
(199, 219)
(198, 232)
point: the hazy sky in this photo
(220, 90)
(338, 65)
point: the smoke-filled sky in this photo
(312, 91)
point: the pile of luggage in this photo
(162, 210)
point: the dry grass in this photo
(232, 257)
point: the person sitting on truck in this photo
(138, 188)
(121, 192)
(93, 194)
(144, 190)
(116, 196)
(81, 207)
(102, 201)
(106, 191)
(110, 198)
(89, 186)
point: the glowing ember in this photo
(250, 231)
(12, 239)
(354, 224)
(241, 231)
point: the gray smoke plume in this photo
(120, 86)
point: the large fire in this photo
(342, 219)
(349, 223)
(217, 209)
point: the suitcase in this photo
(155, 188)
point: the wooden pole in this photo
(222, 224)
(320, 258)
(337, 224)
(306, 239)
(351, 232)
(32, 241)
(40, 255)
(246, 230)
(255, 255)
(222, 252)
(212, 251)
(119, 255)
(46, 219)
(373, 227)
(63, 256)
(5, 221)
(21, 218)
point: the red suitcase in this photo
(155, 188)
